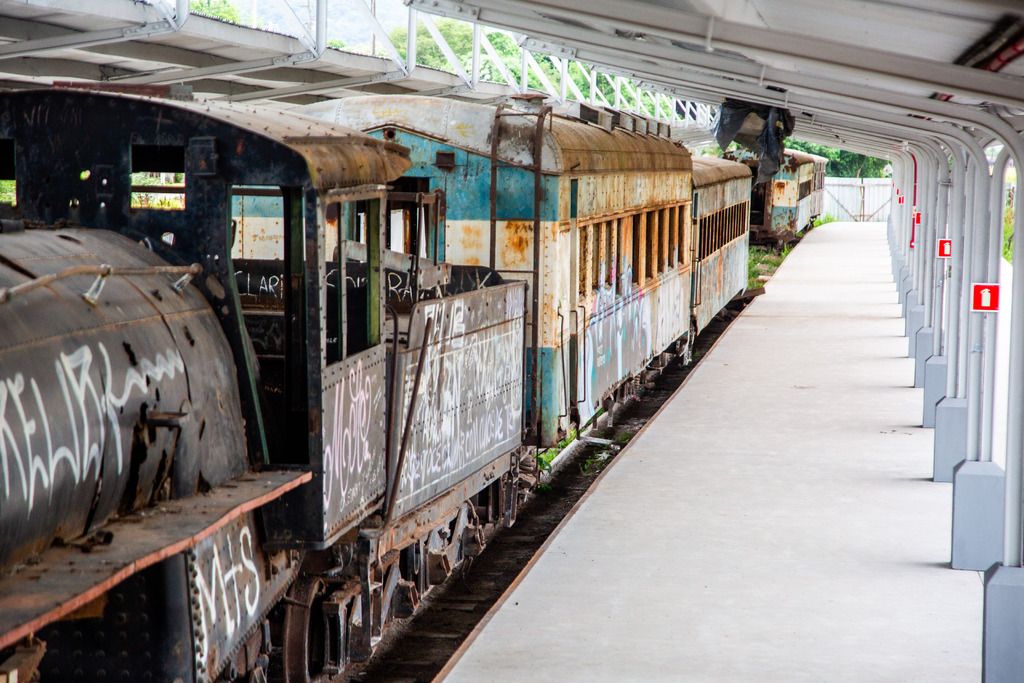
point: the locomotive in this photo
(220, 433)
(250, 415)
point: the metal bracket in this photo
(93, 293)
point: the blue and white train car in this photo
(596, 213)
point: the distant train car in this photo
(231, 422)
(597, 212)
(721, 221)
(787, 205)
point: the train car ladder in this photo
(532, 431)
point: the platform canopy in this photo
(848, 69)
(854, 72)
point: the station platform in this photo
(775, 521)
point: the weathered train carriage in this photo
(721, 221)
(597, 214)
(787, 205)
(283, 361)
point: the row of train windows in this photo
(721, 227)
(645, 243)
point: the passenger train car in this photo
(225, 435)
(721, 219)
(594, 211)
(783, 208)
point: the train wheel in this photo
(304, 633)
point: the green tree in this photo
(221, 9)
(842, 164)
(336, 43)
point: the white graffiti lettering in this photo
(65, 425)
(349, 454)
(228, 586)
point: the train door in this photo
(697, 247)
(267, 254)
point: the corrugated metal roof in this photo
(711, 170)
(337, 156)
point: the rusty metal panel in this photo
(784, 193)
(717, 196)
(470, 405)
(723, 275)
(351, 474)
(233, 582)
(610, 194)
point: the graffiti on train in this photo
(469, 407)
(233, 586)
(353, 438)
(57, 427)
(622, 335)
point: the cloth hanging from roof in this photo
(758, 127)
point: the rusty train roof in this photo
(570, 145)
(802, 158)
(336, 156)
(712, 170)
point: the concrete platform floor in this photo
(775, 522)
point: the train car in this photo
(596, 208)
(783, 208)
(228, 432)
(721, 221)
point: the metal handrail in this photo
(102, 272)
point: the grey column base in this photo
(898, 265)
(977, 515)
(1003, 640)
(906, 285)
(950, 437)
(923, 348)
(934, 388)
(915, 321)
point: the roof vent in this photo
(583, 112)
(528, 104)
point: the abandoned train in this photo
(599, 212)
(250, 415)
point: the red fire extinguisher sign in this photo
(985, 297)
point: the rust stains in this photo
(471, 237)
(516, 248)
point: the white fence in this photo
(858, 199)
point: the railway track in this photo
(418, 649)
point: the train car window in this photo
(639, 227)
(335, 314)
(257, 221)
(686, 239)
(597, 242)
(666, 239)
(608, 252)
(651, 266)
(8, 192)
(620, 256)
(574, 197)
(396, 232)
(158, 177)
(583, 259)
